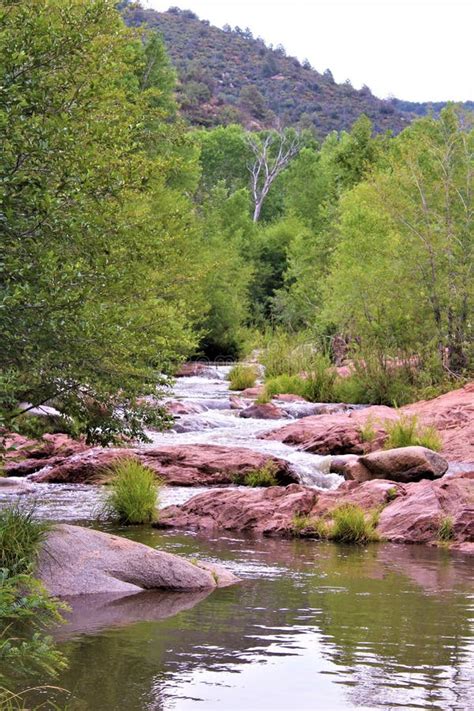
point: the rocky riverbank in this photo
(406, 513)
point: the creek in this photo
(311, 626)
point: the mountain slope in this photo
(230, 76)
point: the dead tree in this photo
(272, 155)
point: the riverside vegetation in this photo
(146, 240)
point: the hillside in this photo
(230, 76)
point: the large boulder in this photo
(405, 464)
(79, 561)
(177, 465)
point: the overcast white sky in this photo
(420, 50)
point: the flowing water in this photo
(312, 626)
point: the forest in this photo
(133, 240)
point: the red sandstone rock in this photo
(188, 370)
(237, 403)
(187, 465)
(452, 414)
(263, 411)
(411, 513)
(289, 397)
(25, 456)
(175, 407)
(253, 392)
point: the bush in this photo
(20, 539)
(286, 354)
(285, 384)
(264, 476)
(351, 526)
(242, 376)
(35, 427)
(134, 495)
(407, 432)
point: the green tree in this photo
(98, 287)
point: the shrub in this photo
(316, 386)
(446, 529)
(242, 376)
(264, 476)
(134, 495)
(407, 432)
(21, 537)
(351, 526)
(35, 427)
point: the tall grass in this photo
(407, 432)
(286, 353)
(242, 376)
(350, 525)
(21, 537)
(264, 476)
(133, 498)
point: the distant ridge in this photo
(228, 76)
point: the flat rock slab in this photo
(177, 465)
(79, 561)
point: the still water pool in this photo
(311, 626)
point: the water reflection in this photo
(310, 627)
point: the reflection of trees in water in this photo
(390, 640)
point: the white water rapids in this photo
(216, 423)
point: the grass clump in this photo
(367, 431)
(306, 526)
(21, 537)
(446, 529)
(264, 476)
(316, 383)
(133, 498)
(407, 432)
(285, 384)
(242, 376)
(391, 494)
(350, 525)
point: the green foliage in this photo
(407, 431)
(310, 527)
(25, 607)
(21, 537)
(242, 376)
(446, 529)
(35, 426)
(100, 278)
(286, 353)
(133, 498)
(264, 476)
(282, 384)
(350, 525)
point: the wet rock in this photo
(193, 369)
(350, 467)
(177, 465)
(253, 392)
(78, 561)
(263, 411)
(25, 456)
(289, 397)
(176, 407)
(404, 464)
(237, 403)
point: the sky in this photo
(417, 50)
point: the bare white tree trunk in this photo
(272, 155)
